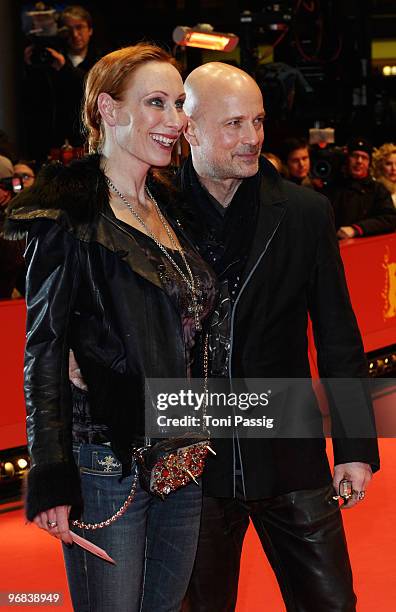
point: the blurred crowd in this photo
(361, 188)
(13, 178)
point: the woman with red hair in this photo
(112, 276)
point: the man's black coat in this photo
(366, 204)
(294, 269)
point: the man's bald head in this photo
(214, 80)
(225, 114)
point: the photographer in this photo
(54, 82)
(12, 267)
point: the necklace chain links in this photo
(187, 278)
(196, 308)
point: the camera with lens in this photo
(13, 184)
(327, 160)
(41, 28)
(327, 164)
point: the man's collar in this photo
(360, 182)
(271, 183)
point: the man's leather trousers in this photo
(303, 537)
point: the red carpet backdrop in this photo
(31, 561)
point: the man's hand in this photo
(55, 521)
(58, 59)
(346, 232)
(359, 473)
(27, 55)
(75, 373)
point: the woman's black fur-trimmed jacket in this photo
(89, 288)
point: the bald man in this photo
(273, 247)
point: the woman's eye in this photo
(156, 102)
(180, 104)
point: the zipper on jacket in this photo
(235, 437)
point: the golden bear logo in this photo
(389, 293)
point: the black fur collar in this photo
(80, 190)
(76, 194)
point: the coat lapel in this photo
(272, 208)
(115, 238)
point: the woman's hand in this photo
(75, 373)
(56, 522)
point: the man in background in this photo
(54, 88)
(296, 160)
(362, 206)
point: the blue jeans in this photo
(153, 543)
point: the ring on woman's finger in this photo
(52, 524)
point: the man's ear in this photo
(107, 108)
(190, 133)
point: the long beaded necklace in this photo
(196, 307)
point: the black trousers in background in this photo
(303, 537)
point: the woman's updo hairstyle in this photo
(111, 75)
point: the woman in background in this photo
(384, 167)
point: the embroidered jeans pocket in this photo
(98, 459)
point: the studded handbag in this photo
(173, 463)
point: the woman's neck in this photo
(128, 176)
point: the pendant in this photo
(195, 308)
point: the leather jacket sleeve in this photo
(52, 279)
(340, 355)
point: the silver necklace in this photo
(195, 308)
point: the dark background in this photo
(327, 41)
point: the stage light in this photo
(14, 463)
(9, 469)
(202, 36)
(382, 364)
(387, 70)
(22, 463)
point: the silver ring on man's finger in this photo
(52, 524)
(361, 495)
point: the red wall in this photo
(370, 267)
(12, 409)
